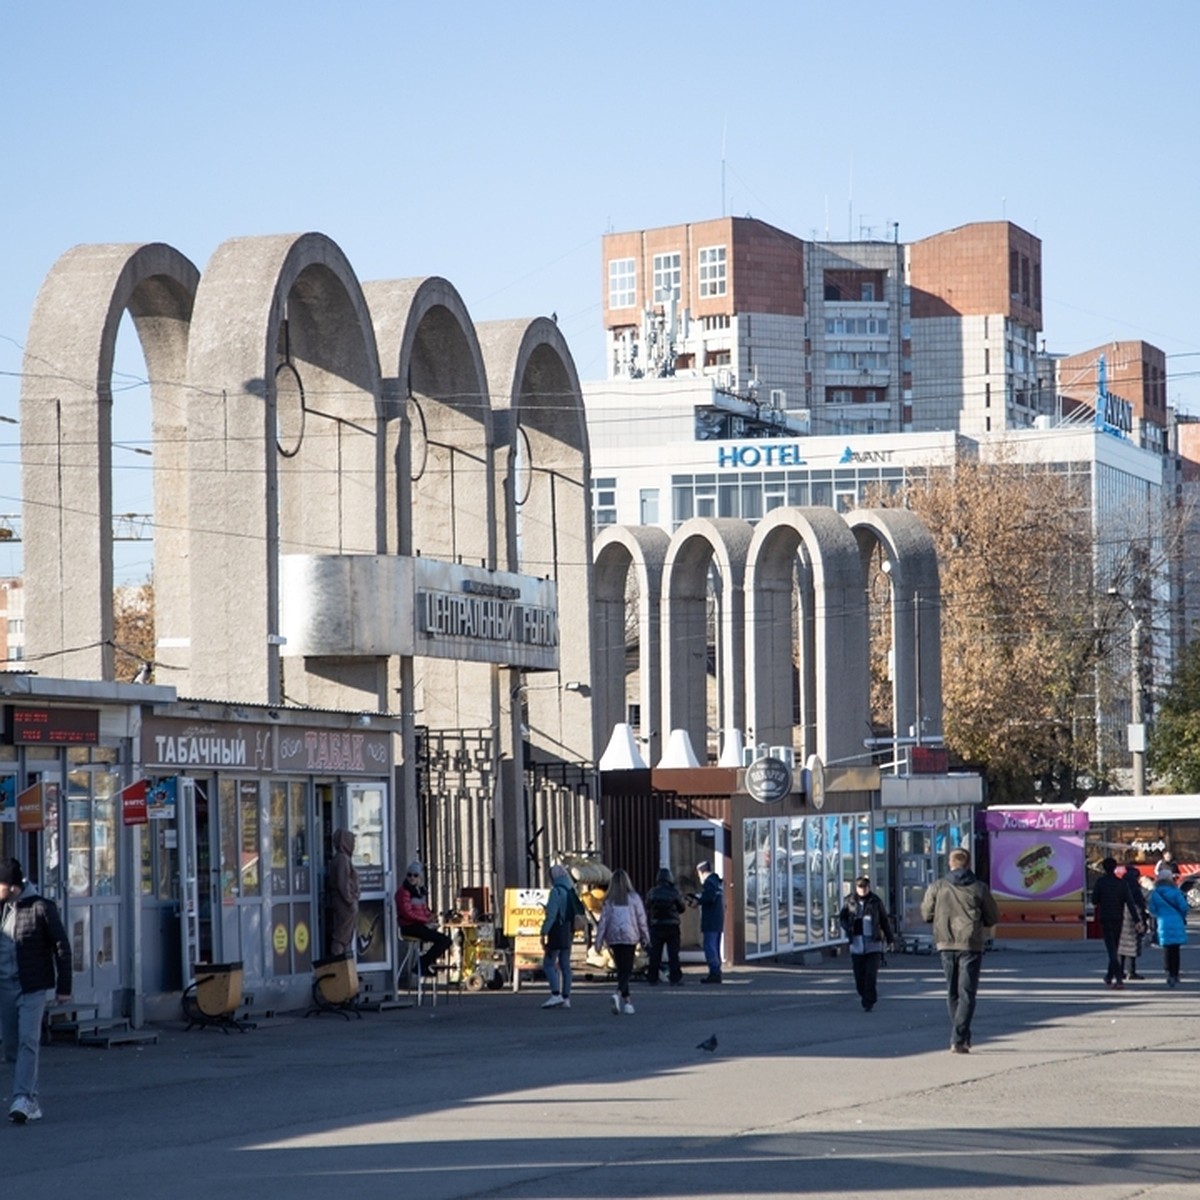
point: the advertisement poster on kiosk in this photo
(1038, 874)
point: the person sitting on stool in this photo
(415, 919)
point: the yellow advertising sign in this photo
(525, 910)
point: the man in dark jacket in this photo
(865, 924)
(35, 958)
(961, 908)
(712, 918)
(1111, 901)
(664, 903)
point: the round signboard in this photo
(768, 780)
(816, 781)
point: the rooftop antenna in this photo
(850, 213)
(724, 130)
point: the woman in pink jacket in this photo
(621, 927)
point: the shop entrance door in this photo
(238, 932)
(681, 845)
(915, 871)
(92, 913)
(191, 881)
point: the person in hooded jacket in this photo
(961, 908)
(35, 958)
(558, 935)
(1169, 907)
(664, 904)
(343, 893)
(865, 924)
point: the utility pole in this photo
(1137, 719)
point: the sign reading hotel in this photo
(360, 605)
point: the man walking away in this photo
(961, 909)
(35, 958)
(1112, 901)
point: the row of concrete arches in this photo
(810, 561)
(294, 410)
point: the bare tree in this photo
(133, 631)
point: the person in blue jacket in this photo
(1169, 909)
(711, 900)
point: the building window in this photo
(667, 276)
(604, 502)
(718, 321)
(648, 506)
(712, 271)
(622, 283)
(868, 291)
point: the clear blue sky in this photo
(494, 143)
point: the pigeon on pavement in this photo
(709, 1044)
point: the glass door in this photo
(93, 894)
(682, 844)
(239, 832)
(366, 818)
(915, 871)
(291, 878)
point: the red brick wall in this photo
(965, 272)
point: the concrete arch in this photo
(544, 510)
(435, 383)
(619, 550)
(440, 490)
(834, 643)
(66, 441)
(284, 421)
(723, 544)
(916, 612)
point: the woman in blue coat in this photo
(1169, 909)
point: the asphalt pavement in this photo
(1071, 1090)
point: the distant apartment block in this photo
(12, 624)
(772, 335)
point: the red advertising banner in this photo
(133, 804)
(31, 810)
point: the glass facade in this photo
(752, 494)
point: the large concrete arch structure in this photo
(619, 550)
(909, 551)
(544, 511)
(66, 435)
(834, 672)
(279, 316)
(444, 503)
(699, 546)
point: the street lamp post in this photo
(1137, 716)
(1137, 720)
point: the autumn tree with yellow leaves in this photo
(1027, 636)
